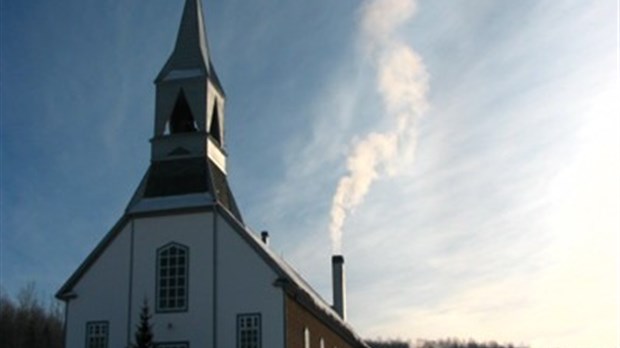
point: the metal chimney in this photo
(339, 288)
(264, 236)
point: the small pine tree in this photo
(144, 332)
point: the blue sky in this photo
(488, 203)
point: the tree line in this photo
(28, 322)
(457, 343)
(442, 343)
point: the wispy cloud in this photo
(451, 263)
(492, 250)
(402, 83)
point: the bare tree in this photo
(27, 323)
(457, 343)
(391, 343)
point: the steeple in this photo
(188, 160)
(191, 51)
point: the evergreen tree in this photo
(144, 332)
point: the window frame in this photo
(160, 250)
(259, 329)
(107, 332)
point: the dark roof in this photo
(215, 80)
(222, 191)
(191, 50)
(177, 177)
(180, 178)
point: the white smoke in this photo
(402, 82)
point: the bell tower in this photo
(188, 157)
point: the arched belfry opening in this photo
(214, 128)
(181, 120)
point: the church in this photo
(183, 247)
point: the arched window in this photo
(172, 277)
(322, 343)
(306, 338)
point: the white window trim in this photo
(106, 335)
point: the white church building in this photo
(182, 244)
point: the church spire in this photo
(188, 160)
(188, 80)
(191, 47)
(190, 56)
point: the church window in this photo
(97, 334)
(322, 343)
(172, 274)
(248, 331)
(306, 338)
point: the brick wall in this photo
(298, 318)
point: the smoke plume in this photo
(402, 83)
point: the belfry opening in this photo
(214, 129)
(182, 120)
